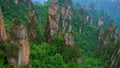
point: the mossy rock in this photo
(16, 21)
(12, 50)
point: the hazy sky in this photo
(40, 1)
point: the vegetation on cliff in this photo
(57, 34)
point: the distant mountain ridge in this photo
(111, 7)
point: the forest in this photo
(59, 34)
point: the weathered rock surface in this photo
(16, 1)
(100, 22)
(28, 3)
(32, 25)
(115, 60)
(69, 37)
(109, 35)
(18, 45)
(53, 20)
(3, 33)
(53, 17)
(66, 15)
(106, 37)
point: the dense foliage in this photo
(58, 54)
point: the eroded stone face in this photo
(80, 29)
(3, 33)
(28, 3)
(100, 22)
(16, 1)
(53, 17)
(115, 60)
(115, 36)
(32, 23)
(106, 37)
(69, 37)
(20, 41)
(66, 15)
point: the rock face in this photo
(69, 37)
(66, 21)
(100, 22)
(28, 3)
(53, 20)
(32, 25)
(115, 60)
(83, 17)
(66, 15)
(115, 35)
(3, 34)
(16, 1)
(18, 42)
(109, 35)
(53, 17)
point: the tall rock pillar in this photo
(3, 34)
(53, 17)
(53, 20)
(18, 45)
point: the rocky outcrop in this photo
(115, 36)
(32, 25)
(28, 3)
(16, 43)
(115, 60)
(109, 35)
(66, 21)
(3, 33)
(53, 19)
(66, 15)
(79, 60)
(100, 22)
(83, 17)
(16, 1)
(80, 29)
(69, 37)
(108, 44)
(18, 46)
(47, 32)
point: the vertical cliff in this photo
(115, 60)
(66, 21)
(16, 1)
(32, 25)
(3, 34)
(69, 37)
(15, 43)
(84, 17)
(100, 22)
(18, 45)
(108, 43)
(66, 15)
(28, 3)
(53, 19)
(108, 36)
